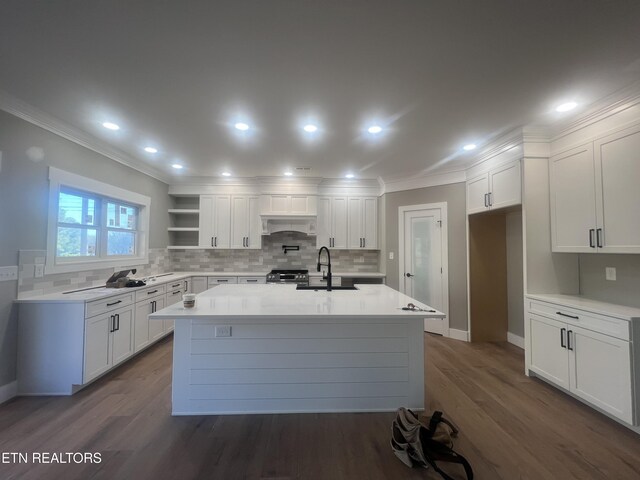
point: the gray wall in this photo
(24, 190)
(515, 284)
(624, 291)
(455, 196)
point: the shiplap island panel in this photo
(297, 351)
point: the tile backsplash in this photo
(162, 260)
(272, 256)
(28, 285)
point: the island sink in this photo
(324, 287)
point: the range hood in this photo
(289, 223)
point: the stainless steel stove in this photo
(300, 277)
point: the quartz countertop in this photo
(284, 300)
(594, 306)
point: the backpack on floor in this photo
(425, 444)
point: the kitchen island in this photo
(274, 349)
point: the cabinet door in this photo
(505, 185)
(205, 235)
(199, 284)
(477, 190)
(573, 200)
(600, 371)
(324, 232)
(222, 221)
(156, 327)
(97, 354)
(549, 358)
(255, 224)
(122, 336)
(617, 159)
(239, 221)
(339, 222)
(141, 325)
(370, 223)
(355, 223)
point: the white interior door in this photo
(422, 262)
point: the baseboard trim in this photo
(8, 391)
(459, 334)
(516, 340)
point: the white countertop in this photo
(595, 306)
(284, 300)
(98, 293)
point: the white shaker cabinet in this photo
(332, 222)
(587, 353)
(198, 284)
(500, 187)
(573, 200)
(363, 223)
(246, 227)
(215, 221)
(617, 173)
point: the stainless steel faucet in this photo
(328, 265)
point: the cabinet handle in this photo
(251, 280)
(591, 243)
(176, 285)
(186, 286)
(212, 242)
(562, 344)
(490, 194)
(364, 243)
(222, 280)
(152, 291)
(112, 323)
(176, 292)
(114, 303)
(575, 317)
(117, 315)
(569, 332)
(486, 202)
(599, 237)
(215, 241)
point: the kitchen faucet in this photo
(328, 265)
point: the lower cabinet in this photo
(591, 365)
(108, 341)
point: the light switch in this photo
(390, 255)
(223, 330)
(38, 271)
(8, 273)
(610, 273)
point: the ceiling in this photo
(435, 74)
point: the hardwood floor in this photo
(512, 427)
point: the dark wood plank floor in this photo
(512, 427)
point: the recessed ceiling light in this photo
(310, 128)
(241, 126)
(288, 174)
(469, 146)
(225, 174)
(177, 166)
(350, 175)
(565, 107)
(150, 150)
(111, 126)
(374, 129)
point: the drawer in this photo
(151, 292)
(176, 284)
(98, 307)
(213, 281)
(318, 281)
(611, 326)
(254, 280)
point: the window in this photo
(94, 225)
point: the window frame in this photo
(105, 193)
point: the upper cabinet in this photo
(363, 223)
(246, 227)
(594, 196)
(332, 222)
(498, 188)
(215, 221)
(288, 204)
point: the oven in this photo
(300, 277)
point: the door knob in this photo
(409, 275)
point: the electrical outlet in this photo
(223, 331)
(390, 255)
(8, 273)
(38, 271)
(610, 273)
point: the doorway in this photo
(423, 259)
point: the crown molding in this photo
(424, 181)
(605, 107)
(33, 115)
